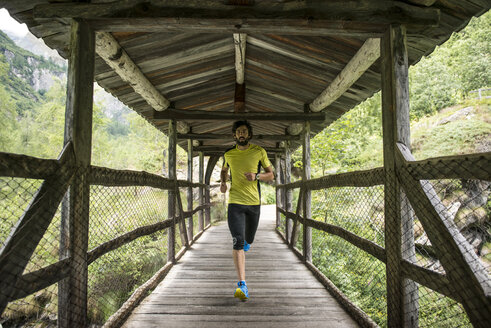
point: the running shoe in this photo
(241, 292)
(246, 246)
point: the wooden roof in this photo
(303, 59)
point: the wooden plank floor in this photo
(198, 291)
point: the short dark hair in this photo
(238, 124)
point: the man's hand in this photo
(250, 176)
(223, 187)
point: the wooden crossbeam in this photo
(361, 61)
(299, 17)
(21, 243)
(211, 136)
(454, 251)
(111, 52)
(222, 149)
(22, 166)
(194, 115)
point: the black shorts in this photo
(242, 222)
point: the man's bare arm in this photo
(223, 179)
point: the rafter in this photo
(108, 48)
(212, 136)
(195, 115)
(361, 61)
(240, 48)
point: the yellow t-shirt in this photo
(243, 191)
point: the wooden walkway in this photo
(198, 291)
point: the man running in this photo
(244, 202)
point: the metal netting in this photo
(463, 205)
(360, 276)
(16, 194)
(116, 275)
(359, 210)
(113, 277)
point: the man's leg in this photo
(252, 222)
(236, 222)
(239, 261)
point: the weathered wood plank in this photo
(307, 199)
(288, 193)
(240, 57)
(361, 61)
(22, 166)
(204, 136)
(171, 197)
(395, 108)
(116, 57)
(72, 292)
(212, 14)
(190, 115)
(365, 178)
(182, 221)
(471, 166)
(199, 289)
(201, 192)
(190, 190)
(104, 176)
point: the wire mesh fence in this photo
(360, 276)
(16, 194)
(445, 225)
(463, 206)
(113, 277)
(42, 245)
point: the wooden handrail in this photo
(28, 167)
(365, 178)
(34, 281)
(122, 178)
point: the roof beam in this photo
(361, 61)
(195, 115)
(212, 136)
(298, 17)
(222, 149)
(240, 48)
(111, 52)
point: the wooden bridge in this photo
(183, 66)
(198, 292)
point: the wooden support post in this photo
(190, 189)
(201, 222)
(171, 208)
(402, 307)
(307, 199)
(182, 221)
(277, 164)
(212, 160)
(288, 192)
(207, 211)
(72, 291)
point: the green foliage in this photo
(268, 194)
(431, 139)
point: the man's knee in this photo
(238, 242)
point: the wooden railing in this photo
(465, 279)
(58, 175)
